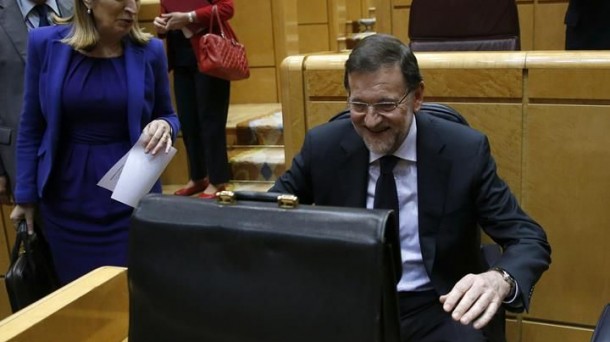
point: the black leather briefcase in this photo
(200, 270)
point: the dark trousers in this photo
(203, 104)
(422, 319)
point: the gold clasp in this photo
(225, 197)
(287, 201)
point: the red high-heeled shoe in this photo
(199, 186)
(218, 189)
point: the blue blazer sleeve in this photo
(162, 107)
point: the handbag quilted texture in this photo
(222, 55)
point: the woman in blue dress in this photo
(93, 86)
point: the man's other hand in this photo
(476, 298)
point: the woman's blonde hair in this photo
(84, 35)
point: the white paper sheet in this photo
(135, 173)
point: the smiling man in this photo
(446, 189)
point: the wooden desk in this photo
(95, 307)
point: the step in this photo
(255, 124)
(256, 163)
(255, 150)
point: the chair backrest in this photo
(602, 329)
(252, 271)
(464, 25)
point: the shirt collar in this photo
(27, 5)
(407, 150)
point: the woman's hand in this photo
(23, 211)
(175, 20)
(160, 25)
(156, 135)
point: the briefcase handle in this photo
(287, 201)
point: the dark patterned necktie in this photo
(43, 13)
(386, 196)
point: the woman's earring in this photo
(89, 11)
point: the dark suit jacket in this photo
(588, 25)
(457, 189)
(13, 41)
(39, 127)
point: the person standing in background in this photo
(588, 25)
(202, 101)
(17, 17)
(94, 86)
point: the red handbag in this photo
(221, 55)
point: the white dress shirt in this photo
(414, 275)
(30, 16)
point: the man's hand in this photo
(476, 298)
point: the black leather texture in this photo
(251, 271)
(31, 274)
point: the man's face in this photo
(383, 131)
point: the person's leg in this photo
(187, 106)
(423, 319)
(213, 109)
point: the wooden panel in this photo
(569, 84)
(566, 189)
(383, 14)
(293, 106)
(502, 123)
(337, 17)
(539, 332)
(400, 24)
(313, 38)
(354, 10)
(513, 330)
(255, 31)
(312, 11)
(473, 83)
(5, 306)
(526, 25)
(548, 26)
(319, 112)
(149, 9)
(261, 87)
(7, 237)
(92, 308)
(325, 83)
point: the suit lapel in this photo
(353, 170)
(134, 62)
(16, 30)
(432, 180)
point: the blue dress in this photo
(85, 228)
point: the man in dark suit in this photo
(17, 17)
(447, 187)
(588, 25)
